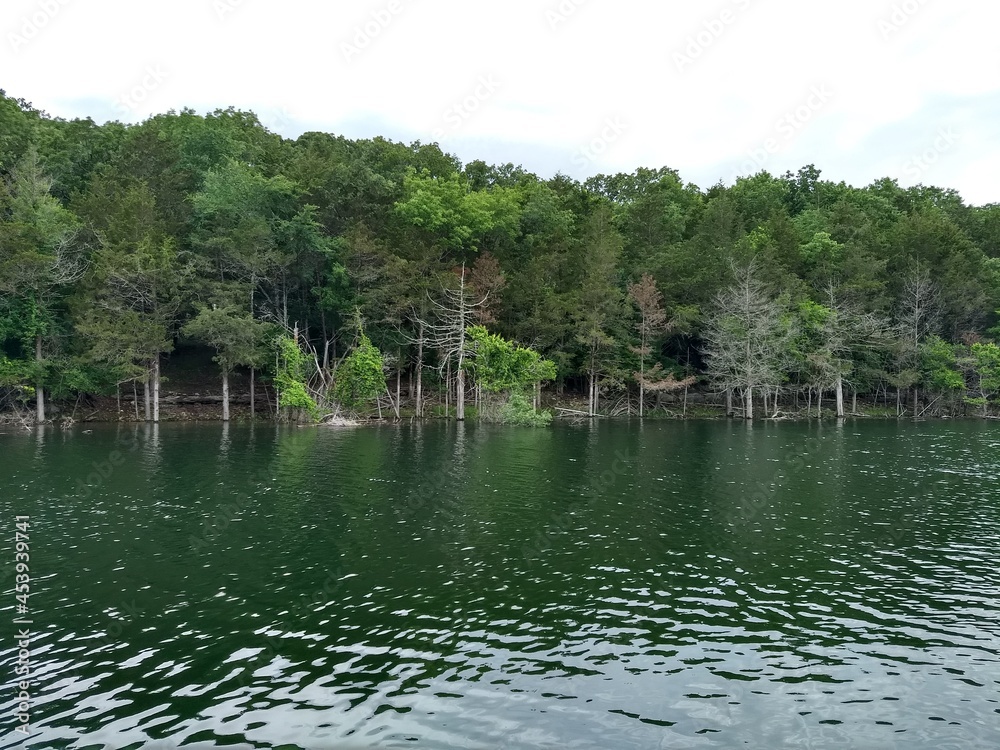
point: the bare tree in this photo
(447, 334)
(845, 333)
(918, 316)
(747, 336)
(652, 321)
(919, 309)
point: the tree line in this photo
(286, 257)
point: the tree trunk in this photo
(253, 397)
(145, 396)
(447, 390)
(538, 395)
(39, 386)
(590, 395)
(854, 402)
(916, 403)
(156, 390)
(225, 395)
(819, 403)
(277, 391)
(840, 397)
(642, 396)
(272, 409)
(809, 404)
(399, 375)
(420, 371)
(135, 400)
(748, 404)
(284, 309)
(729, 402)
(460, 394)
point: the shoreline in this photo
(13, 420)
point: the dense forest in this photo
(120, 244)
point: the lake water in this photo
(618, 585)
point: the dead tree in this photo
(446, 334)
(747, 337)
(652, 321)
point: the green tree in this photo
(360, 377)
(940, 373)
(290, 379)
(40, 257)
(452, 215)
(985, 367)
(129, 305)
(600, 308)
(505, 370)
(235, 336)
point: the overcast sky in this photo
(862, 88)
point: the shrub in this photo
(519, 411)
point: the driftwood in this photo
(573, 411)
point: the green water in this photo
(657, 585)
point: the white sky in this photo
(862, 88)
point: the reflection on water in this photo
(613, 585)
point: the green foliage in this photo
(14, 372)
(984, 363)
(499, 365)
(519, 411)
(237, 338)
(503, 368)
(457, 217)
(986, 358)
(117, 239)
(289, 378)
(360, 377)
(939, 367)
